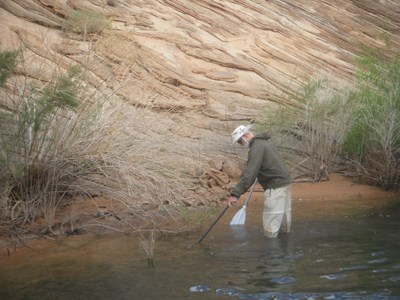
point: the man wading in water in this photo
(265, 164)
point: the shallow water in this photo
(337, 250)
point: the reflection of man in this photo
(265, 164)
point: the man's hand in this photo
(232, 201)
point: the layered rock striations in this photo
(208, 65)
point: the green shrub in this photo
(60, 141)
(44, 103)
(374, 140)
(361, 125)
(310, 134)
(30, 138)
(8, 61)
(84, 21)
(354, 145)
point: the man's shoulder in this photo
(260, 145)
(262, 141)
(262, 136)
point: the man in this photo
(265, 164)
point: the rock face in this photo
(209, 64)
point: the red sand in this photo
(338, 187)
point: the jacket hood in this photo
(261, 136)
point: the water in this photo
(337, 250)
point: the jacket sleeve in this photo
(254, 161)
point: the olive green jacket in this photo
(265, 164)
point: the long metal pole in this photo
(213, 224)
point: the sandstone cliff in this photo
(204, 66)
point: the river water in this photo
(337, 250)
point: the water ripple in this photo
(227, 292)
(304, 296)
(378, 261)
(283, 280)
(333, 276)
(359, 267)
(395, 278)
(378, 253)
(200, 288)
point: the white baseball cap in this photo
(239, 132)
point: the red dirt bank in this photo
(338, 187)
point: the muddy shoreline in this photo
(336, 188)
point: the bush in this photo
(374, 140)
(84, 21)
(61, 141)
(311, 134)
(8, 61)
(360, 125)
(30, 139)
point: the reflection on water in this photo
(337, 250)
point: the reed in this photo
(147, 243)
(65, 139)
(311, 134)
(354, 130)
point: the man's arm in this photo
(254, 162)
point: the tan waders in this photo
(277, 213)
